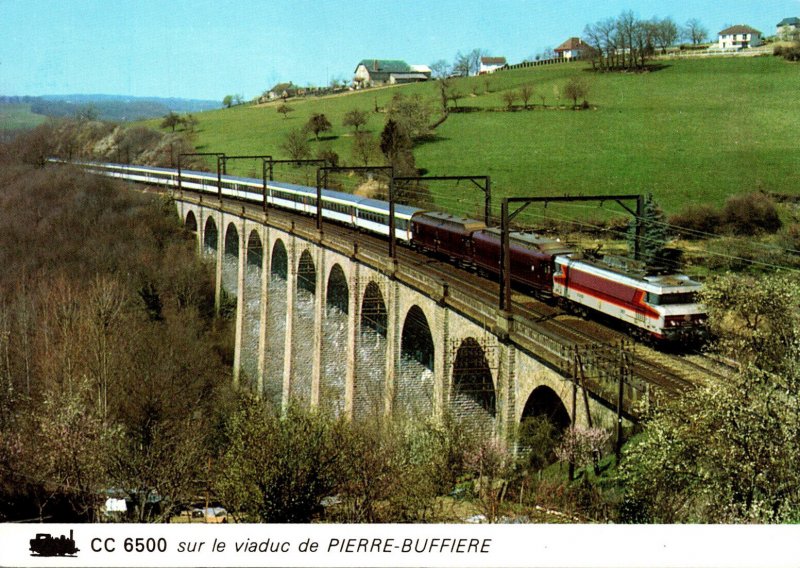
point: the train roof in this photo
(139, 167)
(362, 202)
(383, 206)
(330, 193)
(446, 218)
(543, 244)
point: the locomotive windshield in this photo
(667, 299)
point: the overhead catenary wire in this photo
(459, 204)
(708, 252)
(758, 245)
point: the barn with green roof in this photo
(385, 72)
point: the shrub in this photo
(791, 238)
(695, 220)
(788, 52)
(278, 469)
(736, 255)
(750, 214)
(329, 155)
(394, 470)
(537, 440)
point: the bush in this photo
(750, 214)
(278, 469)
(791, 238)
(737, 255)
(394, 470)
(537, 441)
(695, 220)
(788, 52)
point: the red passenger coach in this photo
(441, 233)
(662, 307)
(532, 257)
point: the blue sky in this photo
(207, 49)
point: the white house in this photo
(739, 37)
(491, 64)
(787, 27)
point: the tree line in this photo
(627, 42)
(113, 365)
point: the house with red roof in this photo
(739, 37)
(491, 64)
(573, 48)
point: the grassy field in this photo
(18, 116)
(689, 132)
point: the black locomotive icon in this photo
(48, 545)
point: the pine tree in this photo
(653, 234)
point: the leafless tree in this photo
(364, 149)
(455, 95)
(467, 64)
(694, 31)
(440, 69)
(576, 88)
(525, 93)
(604, 40)
(509, 97)
(445, 87)
(355, 118)
(284, 109)
(625, 42)
(642, 43)
(318, 123)
(295, 144)
(665, 33)
(626, 30)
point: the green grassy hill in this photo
(689, 132)
(18, 117)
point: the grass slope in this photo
(692, 131)
(18, 116)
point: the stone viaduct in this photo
(332, 325)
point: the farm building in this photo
(371, 72)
